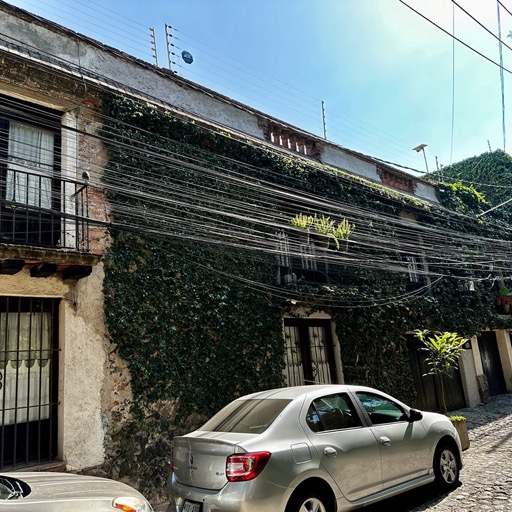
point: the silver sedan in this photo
(66, 492)
(321, 448)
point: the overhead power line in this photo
(454, 37)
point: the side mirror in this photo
(415, 415)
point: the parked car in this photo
(66, 492)
(321, 448)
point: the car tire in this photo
(309, 502)
(446, 468)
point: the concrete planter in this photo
(462, 428)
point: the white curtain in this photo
(24, 367)
(30, 165)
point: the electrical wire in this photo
(235, 208)
(469, 47)
(285, 100)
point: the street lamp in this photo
(419, 148)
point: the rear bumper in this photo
(233, 497)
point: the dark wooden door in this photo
(428, 387)
(491, 363)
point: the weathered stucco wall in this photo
(82, 369)
(85, 375)
(93, 381)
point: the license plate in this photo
(191, 506)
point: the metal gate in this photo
(309, 352)
(428, 387)
(491, 363)
(28, 381)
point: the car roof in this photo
(293, 392)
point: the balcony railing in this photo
(36, 214)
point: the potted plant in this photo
(323, 227)
(302, 223)
(342, 232)
(460, 423)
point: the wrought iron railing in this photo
(36, 214)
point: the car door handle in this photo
(385, 441)
(330, 452)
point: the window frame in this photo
(24, 221)
(404, 417)
(349, 411)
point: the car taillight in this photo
(245, 466)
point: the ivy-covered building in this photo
(165, 249)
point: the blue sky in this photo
(388, 78)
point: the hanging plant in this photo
(303, 223)
(343, 230)
(328, 230)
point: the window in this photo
(299, 261)
(412, 267)
(309, 352)
(332, 412)
(381, 409)
(29, 165)
(251, 416)
(307, 257)
(29, 173)
(28, 380)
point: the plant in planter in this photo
(342, 232)
(444, 350)
(303, 223)
(460, 423)
(323, 227)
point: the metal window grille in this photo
(28, 381)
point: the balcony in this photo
(46, 231)
(32, 214)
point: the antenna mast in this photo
(323, 120)
(170, 53)
(153, 44)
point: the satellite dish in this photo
(187, 57)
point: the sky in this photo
(378, 77)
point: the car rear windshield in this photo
(246, 416)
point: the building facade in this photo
(66, 389)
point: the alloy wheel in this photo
(312, 505)
(448, 466)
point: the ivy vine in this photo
(191, 329)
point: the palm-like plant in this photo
(302, 221)
(444, 350)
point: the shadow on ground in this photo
(416, 500)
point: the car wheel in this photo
(308, 502)
(446, 467)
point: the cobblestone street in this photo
(486, 480)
